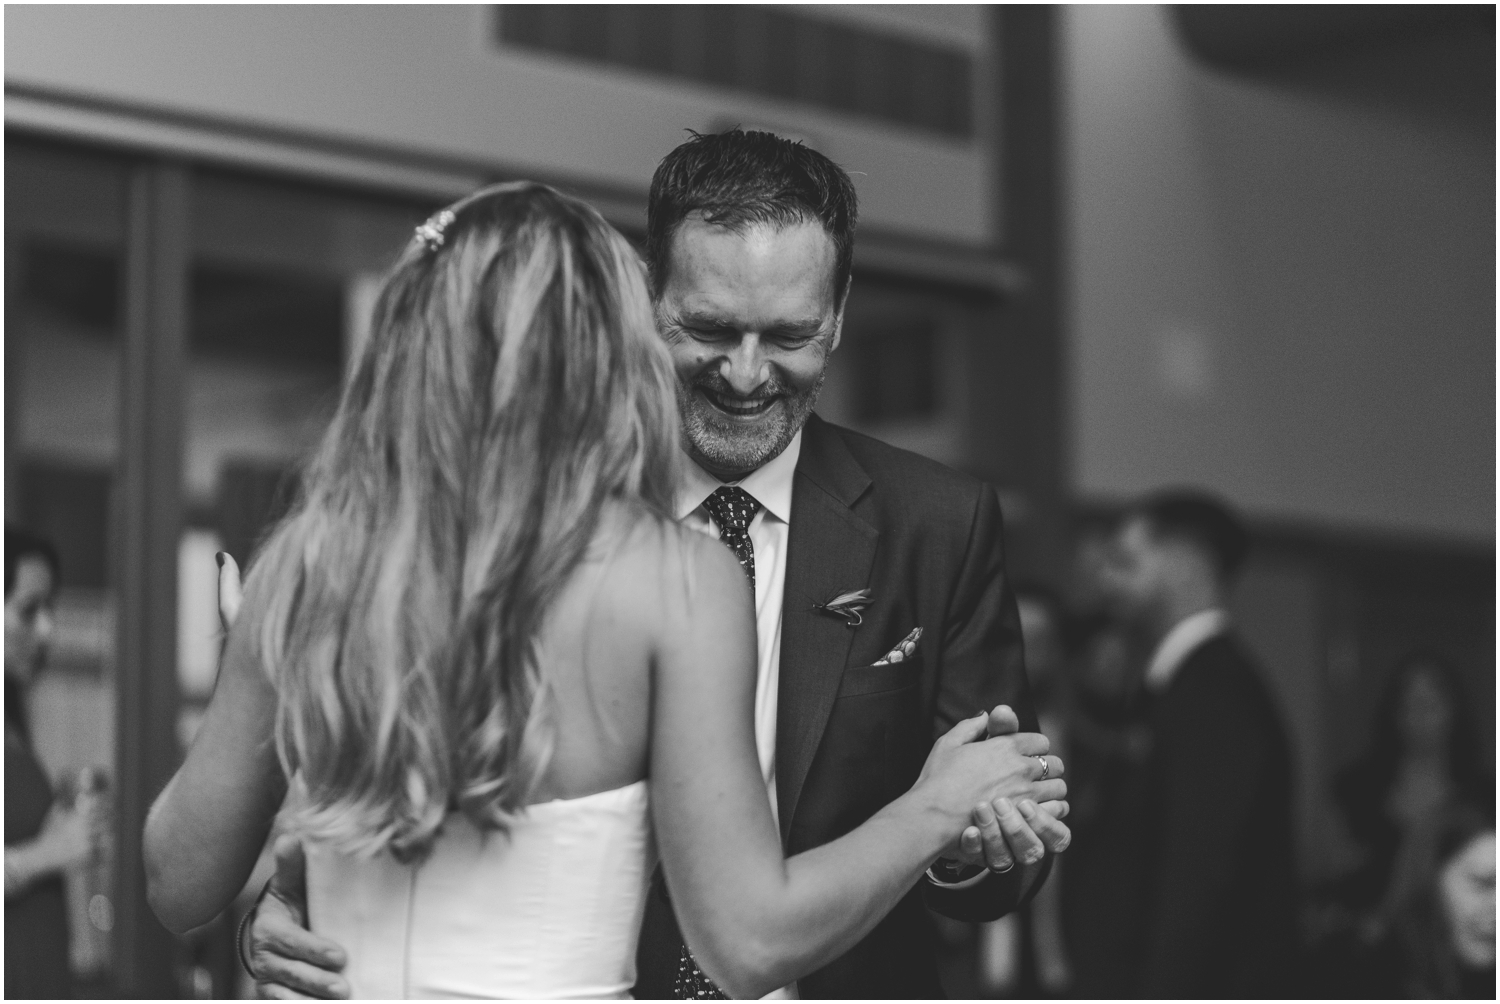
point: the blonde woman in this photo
(497, 675)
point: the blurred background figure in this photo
(1445, 934)
(1423, 764)
(1108, 746)
(1211, 910)
(1024, 954)
(44, 837)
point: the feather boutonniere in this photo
(849, 606)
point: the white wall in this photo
(428, 79)
(1281, 294)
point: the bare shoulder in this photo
(660, 572)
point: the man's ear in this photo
(838, 322)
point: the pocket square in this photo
(903, 651)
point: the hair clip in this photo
(431, 233)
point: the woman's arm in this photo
(207, 828)
(754, 920)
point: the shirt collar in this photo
(770, 484)
(1180, 642)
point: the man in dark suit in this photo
(883, 612)
(749, 243)
(1210, 909)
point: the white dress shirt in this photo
(1182, 641)
(771, 486)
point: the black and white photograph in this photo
(707, 501)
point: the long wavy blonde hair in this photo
(512, 385)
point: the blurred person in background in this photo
(1212, 901)
(1424, 760)
(1106, 719)
(1109, 743)
(1024, 953)
(44, 839)
(1444, 934)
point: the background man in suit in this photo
(750, 244)
(1211, 908)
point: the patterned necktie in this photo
(732, 509)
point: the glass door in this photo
(174, 343)
(281, 279)
(65, 226)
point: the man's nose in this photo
(745, 367)
(44, 625)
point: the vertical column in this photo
(147, 507)
(1029, 357)
(15, 359)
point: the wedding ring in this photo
(1046, 768)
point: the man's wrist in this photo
(950, 874)
(950, 869)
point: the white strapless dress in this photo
(551, 911)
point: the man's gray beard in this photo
(728, 448)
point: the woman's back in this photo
(594, 647)
(553, 908)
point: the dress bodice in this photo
(552, 910)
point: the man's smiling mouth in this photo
(738, 407)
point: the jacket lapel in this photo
(830, 551)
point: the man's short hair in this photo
(22, 543)
(739, 178)
(1201, 520)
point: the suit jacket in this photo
(852, 736)
(1215, 909)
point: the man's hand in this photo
(1006, 831)
(288, 961)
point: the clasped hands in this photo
(1024, 820)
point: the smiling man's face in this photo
(750, 317)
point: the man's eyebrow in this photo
(704, 319)
(807, 325)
